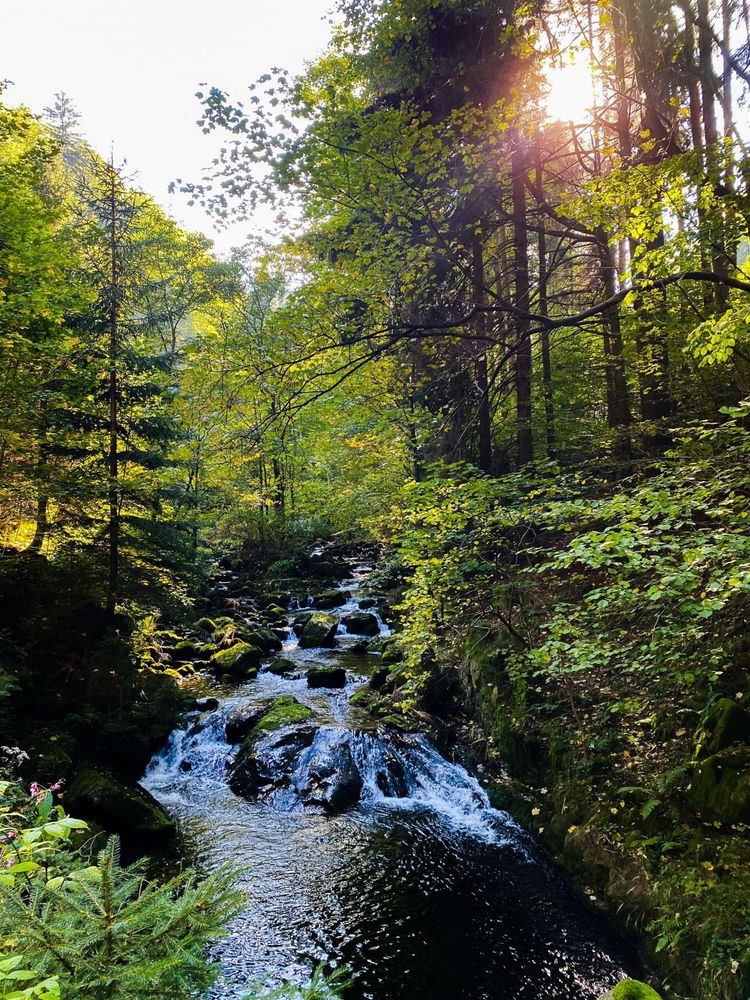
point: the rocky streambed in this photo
(357, 842)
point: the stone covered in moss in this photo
(631, 989)
(280, 665)
(300, 620)
(326, 677)
(243, 719)
(184, 651)
(239, 661)
(361, 623)
(285, 711)
(118, 807)
(330, 599)
(263, 638)
(319, 630)
(720, 787)
(724, 725)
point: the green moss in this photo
(319, 631)
(120, 808)
(725, 724)
(285, 711)
(239, 661)
(281, 665)
(631, 989)
(362, 698)
(720, 788)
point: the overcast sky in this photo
(132, 68)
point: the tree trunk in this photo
(114, 514)
(618, 406)
(484, 411)
(524, 433)
(549, 406)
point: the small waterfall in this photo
(390, 771)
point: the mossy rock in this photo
(328, 599)
(320, 630)
(389, 648)
(240, 661)
(50, 755)
(205, 625)
(264, 639)
(720, 786)
(118, 807)
(724, 725)
(184, 650)
(326, 677)
(275, 612)
(285, 711)
(361, 623)
(208, 650)
(280, 665)
(378, 678)
(275, 602)
(300, 620)
(631, 989)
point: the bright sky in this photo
(132, 68)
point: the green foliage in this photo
(667, 549)
(18, 983)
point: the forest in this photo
(374, 598)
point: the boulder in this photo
(316, 765)
(366, 603)
(118, 807)
(274, 612)
(264, 639)
(206, 704)
(328, 599)
(392, 652)
(725, 724)
(269, 750)
(262, 765)
(361, 623)
(285, 711)
(300, 620)
(242, 720)
(276, 601)
(280, 665)
(720, 786)
(324, 677)
(359, 648)
(184, 651)
(630, 989)
(378, 678)
(205, 625)
(328, 569)
(240, 661)
(331, 778)
(319, 630)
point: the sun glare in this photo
(571, 94)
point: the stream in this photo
(423, 890)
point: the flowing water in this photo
(422, 889)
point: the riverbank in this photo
(592, 636)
